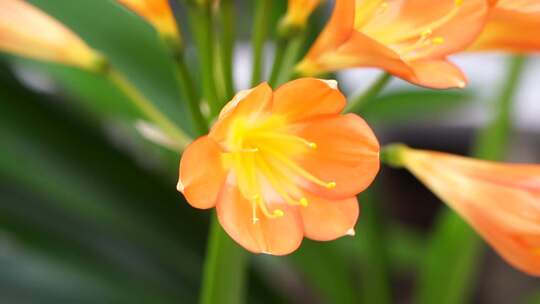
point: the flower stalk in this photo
(361, 100)
(260, 33)
(147, 107)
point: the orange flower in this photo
(282, 165)
(298, 12)
(27, 31)
(512, 26)
(158, 13)
(501, 201)
(408, 38)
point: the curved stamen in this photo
(398, 36)
(299, 170)
(285, 137)
(274, 179)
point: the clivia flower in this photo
(512, 26)
(27, 31)
(500, 201)
(282, 165)
(410, 39)
(156, 12)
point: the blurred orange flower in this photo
(408, 38)
(501, 201)
(27, 31)
(512, 26)
(158, 13)
(282, 165)
(298, 12)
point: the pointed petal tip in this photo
(180, 186)
(332, 83)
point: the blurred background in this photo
(89, 212)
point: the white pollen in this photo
(333, 84)
(351, 232)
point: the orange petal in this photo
(510, 30)
(501, 201)
(338, 29)
(458, 30)
(326, 220)
(247, 104)
(439, 74)
(347, 153)
(306, 98)
(276, 236)
(359, 51)
(201, 173)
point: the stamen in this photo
(299, 170)
(304, 202)
(399, 36)
(275, 180)
(437, 40)
(287, 137)
(279, 213)
(254, 209)
(367, 10)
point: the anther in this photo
(312, 145)
(437, 40)
(458, 2)
(278, 213)
(426, 33)
(331, 185)
(304, 202)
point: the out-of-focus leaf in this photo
(533, 299)
(93, 195)
(131, 45)
(40, 266)
(407, 105)
(327, 269)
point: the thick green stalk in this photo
(260, 33)
(148, 108)
(226, 11)
(190, 95)
(200, 18)
(279, 56)
(357, 103)
(290, 57)
(371, 240)
(225, 270)
(452, 259)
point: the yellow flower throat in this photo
(263, 153)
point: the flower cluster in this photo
(280, 165)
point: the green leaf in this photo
(403, 106)
(129, 43)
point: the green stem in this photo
(454, 242)
(200, 18)
(224, 272)
(491, 142)
(260, 33)
(148, 108)
(290, 57)
(188, 91)
(358, 102)
(227, 45)
(279, 56)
